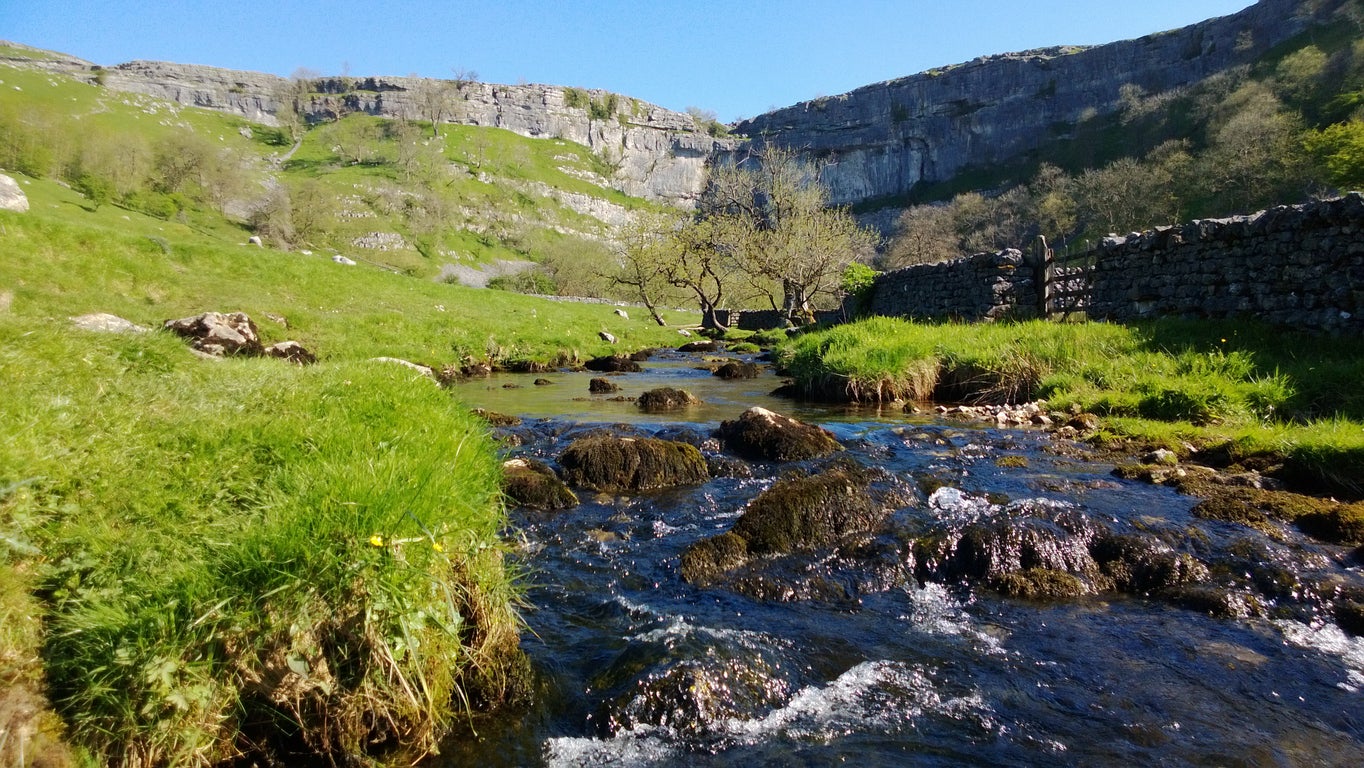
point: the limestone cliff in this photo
(880, 140)
(657, 153)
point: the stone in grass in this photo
(613, 364)
(665, 399)
(291, 351)
(219, 334)
(532, 484)
(762, 434)
(737, 370)
(602, 387)
(613, 464)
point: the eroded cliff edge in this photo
(880, 140)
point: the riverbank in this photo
(1238, 391)
(249, 557)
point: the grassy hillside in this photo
(382, 191)
(202, 561)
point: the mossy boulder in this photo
(995, 552)
(764, 435)
(697, 698)
(810, 512)
(532, 484)
(737, 370)
(1338, 523)
(666, 399)
(706, 561)
(1141, 565)
(1350, 617)
(602, 386)
(1041, 584)
(613, 364)
(496, 419)
(615, 464)
(1325, 519)
(699, 346)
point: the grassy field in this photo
(201, 559)
(1251, 389)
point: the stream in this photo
(876, 666)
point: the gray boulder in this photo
(103, 322)
(219, 334)
(12, 198)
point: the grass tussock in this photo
(248, 557)
(1251, 389)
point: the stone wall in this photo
(1300, 266)
(763, 319)
(987, 286)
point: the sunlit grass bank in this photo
(248, 552)
(71, 262)
(1251, 388)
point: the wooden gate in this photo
(1066, 281)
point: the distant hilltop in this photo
(876, 142)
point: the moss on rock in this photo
(737, 370)
(665, 399)
(762, 434)
(704, 562)
(602, 386)
(613, 364)
(1040, 584)
(808, 512)
(614, 464)
(530, 483)
(1338, 524)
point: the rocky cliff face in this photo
(875, 142)
(880, 140)
(658, 154)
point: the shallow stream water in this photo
(638, 667)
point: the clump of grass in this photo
(251, 557)
(1267, 390)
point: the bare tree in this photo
(787, 244)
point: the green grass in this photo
(1252, 389)
(196, 537)
(226, 547)
(341, 313)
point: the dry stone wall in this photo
(1299, 266)
(987, 286)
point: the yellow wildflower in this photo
(376, 540)
(436, 545)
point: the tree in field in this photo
(644, 251)
(292, 99)
(768, 214)
(442, 100)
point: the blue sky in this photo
(737, 57)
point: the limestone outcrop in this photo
(880, 140)
(12, 197)
(654, 152)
